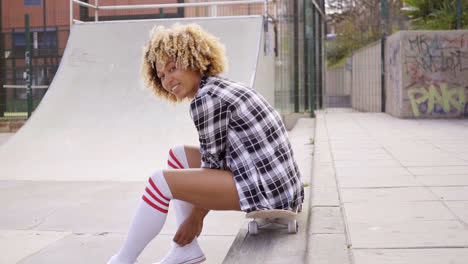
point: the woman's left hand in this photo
(188, 230)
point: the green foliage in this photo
(337, 52)
(351, 39)
(20, 105)
(436, 14)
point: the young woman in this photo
(244, 161)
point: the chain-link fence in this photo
(296, 29)
(300, 64)
(47, 47)
(354, 49)
(320, 61)
(368, 60)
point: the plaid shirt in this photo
(241, 132)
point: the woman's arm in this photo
(191, 227)
(211, 116)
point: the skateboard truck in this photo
(273, 219)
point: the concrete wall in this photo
(427, 74)
(338, 87)
(338, 82)
(393, 82)
(366, 79)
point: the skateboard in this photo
(273, 219)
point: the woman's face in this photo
(183, 83)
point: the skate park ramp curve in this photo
(97, 122)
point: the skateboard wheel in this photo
(293, 227)
(253, 228)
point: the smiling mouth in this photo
(175, 87)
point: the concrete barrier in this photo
(427, 74)
(338, 87)
(366, 92)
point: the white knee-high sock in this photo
(190, 253)
(177, 159)
(148, 220)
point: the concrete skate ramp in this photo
(97, 122)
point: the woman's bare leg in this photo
(205, 188)
(185, 247)
(193, 156)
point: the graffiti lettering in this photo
(465, 113)
(430, 100)
(436, 54)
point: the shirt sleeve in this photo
(211, 117)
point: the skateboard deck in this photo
(273, 219)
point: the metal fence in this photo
(298, 35)
(300, 69)
(105, 10)
(338, 86)
(299, 30)
(366, 84)
(357, 34)
(306, 41)
(354, 71)
(46, 52)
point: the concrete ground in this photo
(394, 190)
(383, 191)
(56, 222)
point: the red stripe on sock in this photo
(156, 198)
(157, 190)
(172, 165)
(153, 205)
(175, 159)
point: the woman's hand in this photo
(190, 228)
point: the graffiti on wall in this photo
(438, 99)
(429, 54)
(436, 68)
(394, 72)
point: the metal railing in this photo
(213, 5)
(25, 86)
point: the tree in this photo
(436, 14)
(357, 24)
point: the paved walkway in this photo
(383, 191)
(395, 190)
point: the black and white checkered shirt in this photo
(241, 132)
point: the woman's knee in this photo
(193, 156)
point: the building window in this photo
(43, 44)
(32, 2)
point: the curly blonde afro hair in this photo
(189, 46)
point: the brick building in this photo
(49, 30)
